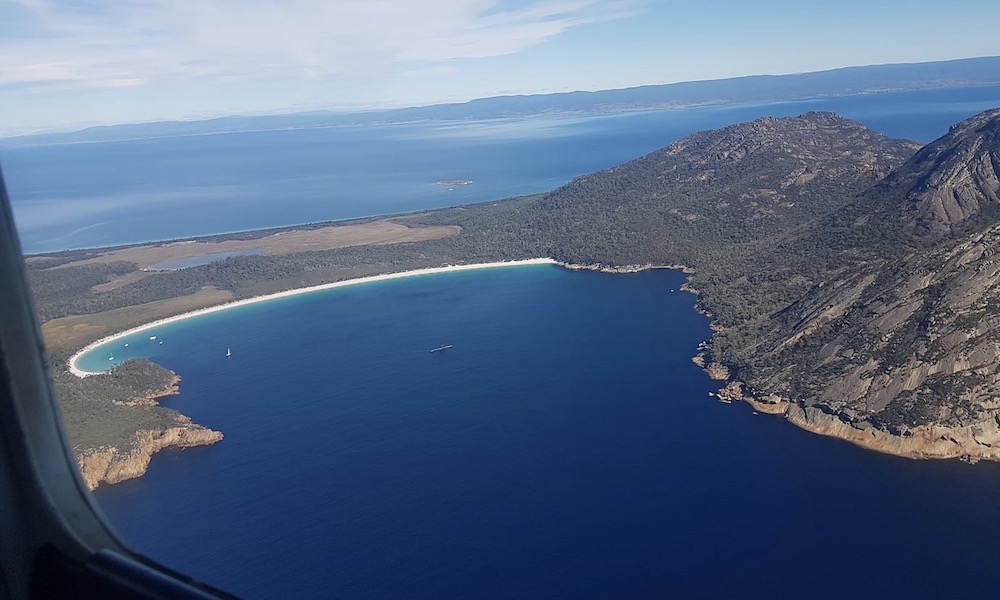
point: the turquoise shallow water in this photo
(565, 447)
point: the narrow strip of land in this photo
(276, 243)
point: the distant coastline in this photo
(849, 80)
(79, 372)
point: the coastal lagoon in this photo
(566, 446)
(102, 194)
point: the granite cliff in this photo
(953, 178)
(897, 346)
(112, 464)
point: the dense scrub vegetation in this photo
(107, 409)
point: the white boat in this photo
(441, 348)
(229, 352)
(152, 337)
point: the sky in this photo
(66, 64)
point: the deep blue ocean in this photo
(565, 447)
(101, 194)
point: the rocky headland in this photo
(112, 464)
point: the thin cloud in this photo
(154, 41)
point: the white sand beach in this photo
(76, 370)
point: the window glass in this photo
(368, 299)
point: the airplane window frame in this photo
(54, 541)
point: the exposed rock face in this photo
(111, 465)
(954, 177)
(919, 346)
(901, 354)
(126, 402)
(971, 442)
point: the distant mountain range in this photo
(760, 88)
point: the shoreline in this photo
(77, 371)
(966, 443)
(969, 443)
(111, 465)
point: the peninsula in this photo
(851, 278)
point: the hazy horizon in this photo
(70, 64)
(376, 109)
